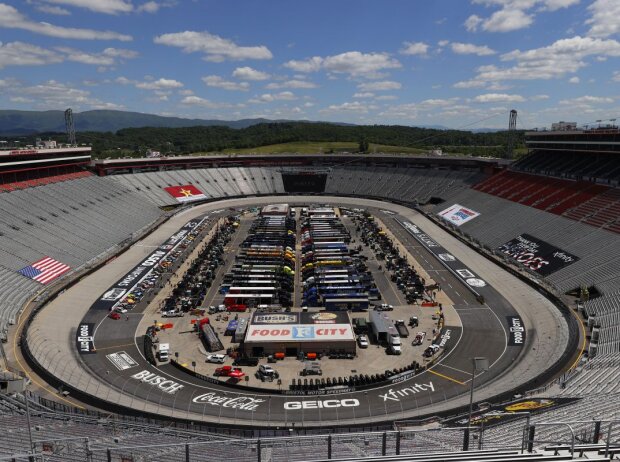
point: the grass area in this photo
(311, 147)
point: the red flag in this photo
(186, 193)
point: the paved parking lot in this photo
(184, 339)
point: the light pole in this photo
(478, 364)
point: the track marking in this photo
(115, 346)
(454, 368)
(446, 377)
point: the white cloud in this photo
(384, 85)
(587, 100)
(414, 48)
(366, 94)
(471, 49)
(353, 63)
(107, 57)
(308, 65)
(472, 23)
(616, 76)
(295, 83)
(498, 98)
(153, 7)
(574, 80)
(25, 54)
(605, 18)
(160, 84)
(56, 10)
(507, 21)
(513, 14)
(10, 18)
(247, 73)
(219, 82)
(270, 97)
(355, 106)
(52, 95)
(470, 84)
(214, 47)
(98, 6)
(202, 102)
(562, 57)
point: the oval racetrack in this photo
(127, 379)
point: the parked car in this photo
(229, 371)
(384, 307)
(266, 372)
(362, 341)
(216, 358)
(419, 338)
(312, 368)
(114, 315)
(172, 314)
(430, 351)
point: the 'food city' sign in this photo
(300, 332)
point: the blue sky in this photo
(455, 63)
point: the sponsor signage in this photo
(321, 404)
(458, 215)
(186, 193)
(121, 360)
(537, 255)
(113, 294)
(500, 414)
(274, 319)
(405, 392)
(324, 318)
(411, 227)
(446, 257)
(85, 338)
(163, 383)
(299, 333)
(516, 331)
(242, 403)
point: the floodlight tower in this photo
(512, 128)
(70, 127)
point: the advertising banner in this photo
(537, 255)
(503, 413)
(299, 333)
(517, 331)
(84, 338)
(458, 215)
(186, 193)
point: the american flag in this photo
(45, 270)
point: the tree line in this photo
(136, 141)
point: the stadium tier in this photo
(54, 227)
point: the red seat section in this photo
(590, 203)
(43, 181)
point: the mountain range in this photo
(14, 122)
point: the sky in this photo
(450, 63)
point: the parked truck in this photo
(401, 328)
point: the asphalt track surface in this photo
(485, 332)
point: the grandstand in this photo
(80, 218)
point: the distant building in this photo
(562, 126)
